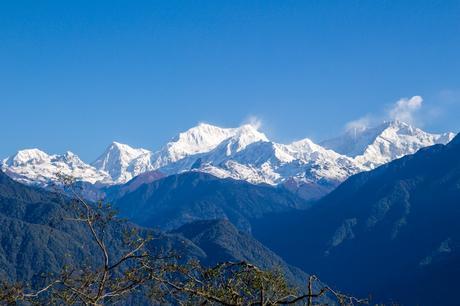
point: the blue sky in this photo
(76, 75)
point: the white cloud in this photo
(358, 124)
(405, 109)
(254, 121)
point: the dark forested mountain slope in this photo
(179, 199)
(393, 232)
(35, 240)
(225, 242)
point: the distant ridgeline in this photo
(310, 170)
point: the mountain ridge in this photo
(178, 199)
(241, 153)
(394, 228)
(36, 240)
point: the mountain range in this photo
(244, 153)
(390, 229)
(392, 232)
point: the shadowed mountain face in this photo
(393, 232)
(35, 240)
(223, 240)
(179, 199)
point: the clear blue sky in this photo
(76, 75)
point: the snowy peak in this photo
(381, 144)
(355, 140)
(396, 140)
(403, 129)
(118, 153)
(199, 139)
(70, 159)
(36, 167)
(306, 147)
(273, 163)
(117, 159)
(31, 157)
(26, 157)
(400, 128)
(246, 135)
(242, 153)
(307, 151)
(243, 137)
(205, 138)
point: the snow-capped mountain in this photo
(241, 153)
(122, 162)
(203, 139)
(236, 139)
(375, 146)
(272, 163)
(35, 167)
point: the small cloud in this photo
(405, 109)
(443, 107)
(358, 125)
(254, 122)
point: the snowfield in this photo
(242, 153)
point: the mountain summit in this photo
(373, 146)
(202, 139)
(117, 161)
(35, 167)
(242, 153)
